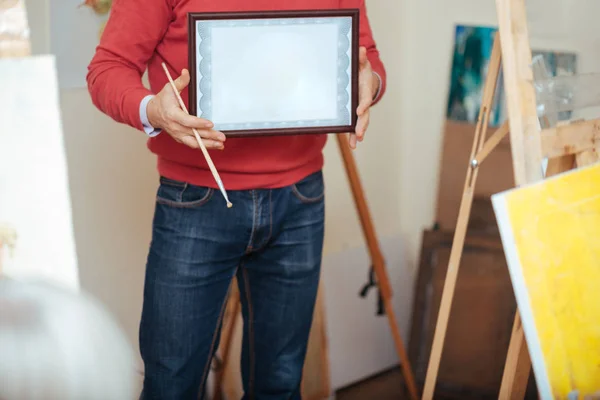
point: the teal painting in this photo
(470, 61)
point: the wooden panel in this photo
(481, 316)
(495, 174)
(570, 138)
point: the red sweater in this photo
(142, 34)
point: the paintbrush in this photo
(200, 143)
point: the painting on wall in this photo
(470, 60)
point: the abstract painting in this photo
(470, 60)
(471, 56)
(550, 233)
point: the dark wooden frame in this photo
(350, 12)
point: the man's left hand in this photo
(368, 84)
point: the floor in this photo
(389, 386)
(385, 386)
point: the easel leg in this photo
(378, 262)
(461, 226)
(233, 310)
(517, 366)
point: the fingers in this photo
(180, 117)
(211, 138)
(183, 80)
(361, 126)
(211, 134)
(352, 141)
(362, 56)
(192, 142)
(364, 105)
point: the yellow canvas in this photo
(551, 236)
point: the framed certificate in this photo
(275, 72)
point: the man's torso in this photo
(246, 162)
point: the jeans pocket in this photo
(181, 194)
(310, 189)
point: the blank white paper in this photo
(274, 73)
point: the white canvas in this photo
(34, 190)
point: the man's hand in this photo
(165, 113)
(367, 87)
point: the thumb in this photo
(362, 55)
(183, 80)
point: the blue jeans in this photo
(272, 240)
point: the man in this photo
(272, 237)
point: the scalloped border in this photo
(204, 65)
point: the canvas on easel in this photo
(550, 233)
(35, 200)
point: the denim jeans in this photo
(272, 240)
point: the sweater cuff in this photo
(131, 107)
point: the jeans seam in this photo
(212, 345)
(268, 238)
(270, 217)
(304, 199)
(254, 222)
(250, 335)
(182, 192)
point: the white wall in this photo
(113, 177)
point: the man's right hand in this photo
(165, 113)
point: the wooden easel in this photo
(565, 146)
(379, 268)
(378, 262)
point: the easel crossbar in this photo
(570, 139)
(490, 144)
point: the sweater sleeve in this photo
(114, 78)
(366, 39)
